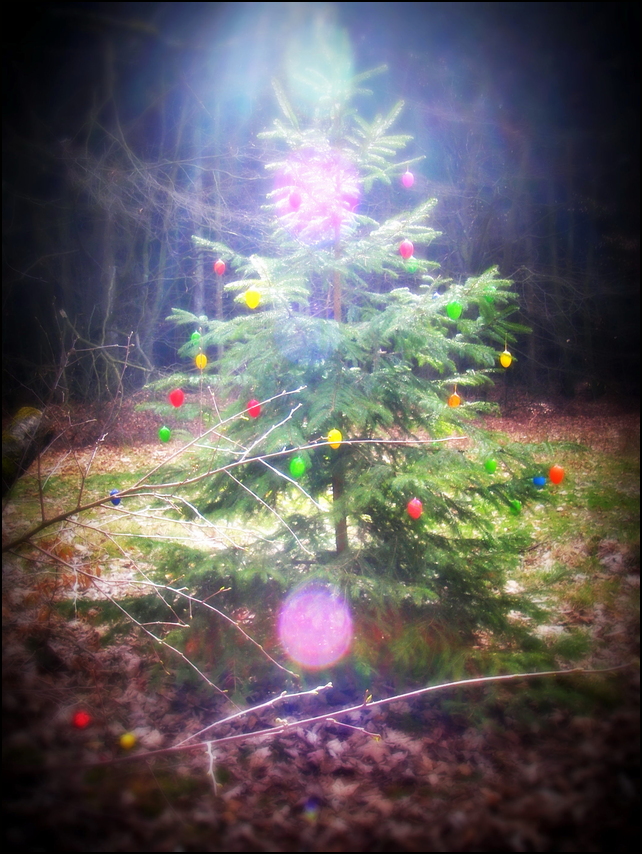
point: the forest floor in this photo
(404, 777)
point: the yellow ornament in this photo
(334, 438)
(252, 298)
(127, 740)
(454, 400)
(201, 361)
(505, 359)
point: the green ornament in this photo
(490, 299)
(490, 466)
(164, 434)
(515, 507)
(195, 336)
(412, 266)
(454, 310)
(297, 466)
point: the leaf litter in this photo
(561, 782)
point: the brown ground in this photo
(562, 781)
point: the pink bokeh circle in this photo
(315, 625)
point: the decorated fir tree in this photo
(346, 383)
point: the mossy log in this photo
(19, 445)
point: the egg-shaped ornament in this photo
(454, 310)
(406, 249)
(515, 507)
(335, 437)
(219, 267)
(412, 265)
(253, 408)
(115, 501)
(454, 400)
(414, 508)
(252, 298)
(176, 397)
(194, 337)
(505, 359)
(127, 740)
(407, 179)
(81, 719)
(200, 361)
(556, 474)
(295, 200)
(297, 466)
(490, 465)
(539, 481)
(164, 434)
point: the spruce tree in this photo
(341, 322)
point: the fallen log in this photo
(19, 445)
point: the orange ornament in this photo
(454, 400)
(556, 474)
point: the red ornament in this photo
(253, 408)
(81, 720)
(415, 508)
(219, 267)
(407, 179)
(406, 249)
(295, 200)
(556, 474)
(177, 397)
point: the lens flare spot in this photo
(318, 193)
(315, 625)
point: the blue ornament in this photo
(539, 481)
(115, 501)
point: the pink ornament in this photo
(295, 200)
(219, 267)
(406, 249)
(253, 408)
(177, 397)
(415, 508)
(407, 179)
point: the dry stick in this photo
(276, 730)
(137, 489)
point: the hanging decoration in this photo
(412, 266)
(415, 508)
(297, 466)
(454, 310)
(295, 200)
(115, 501)
(334, 438)
(491, 466)
(164, 434)
(539, 481)
(219, 267)
(406, 249)
(127, 740)
(505, 358)
(252, 298)
(407, 179)
(201, 361)
(253, 408)
(81, 719)
(177, 397)
(515, 507)
(454, 400)
(556, 474)
(194, 337)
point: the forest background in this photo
(129, 126)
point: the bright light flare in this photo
(315, 625)
(318, 193)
